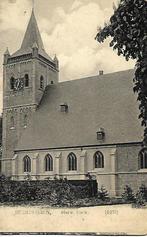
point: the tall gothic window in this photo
(26, 80)
(41, 82)
(98, 160)
(48, 163)
(143, 159)
(72, 161)
(12, 125)
(27, 164)
(12, 80)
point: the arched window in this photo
(98, 160)
(72, 161)
(26, 80)
(25, 121)
(12, 122)
(48, 163)
(27, 164)
(12, 80)
(143, 159)
(41, 82)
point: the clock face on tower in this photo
(18, 84)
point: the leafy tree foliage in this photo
(128, 29)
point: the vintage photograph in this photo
(73, 117)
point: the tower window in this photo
(48, 163)
(27, 164)
(72, 161)
(12, 122)
(25, 121)
(143, 159)
(41, 82)
(26, 80)
(98, 160)
(12, 81)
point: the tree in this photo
(128, 29)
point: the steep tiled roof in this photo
(32, 35)
(104, 101)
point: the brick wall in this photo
(128, 172)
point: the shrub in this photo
(80, 191)
(53, 192)
(61, 194)
(5, 189)
(54, 198)
(141, 196)
(128, 195)
(139, 199)
(143, 191)
(103, 194)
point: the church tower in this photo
(26, 73)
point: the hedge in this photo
(54, 192)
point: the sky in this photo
(68, 29)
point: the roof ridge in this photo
(96, 76)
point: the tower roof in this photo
(32, 35)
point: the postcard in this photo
(73, 101)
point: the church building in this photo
(70, 129)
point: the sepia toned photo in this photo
(73, 123)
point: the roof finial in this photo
(7, 52)
(33, 4)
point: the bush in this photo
(103, 194)
(54, 199)
(139, 199)
(143, 191)
(52, 192)
(141, 196)
(80, 191)
(61, 194)
(5, 189)
(128, 195)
